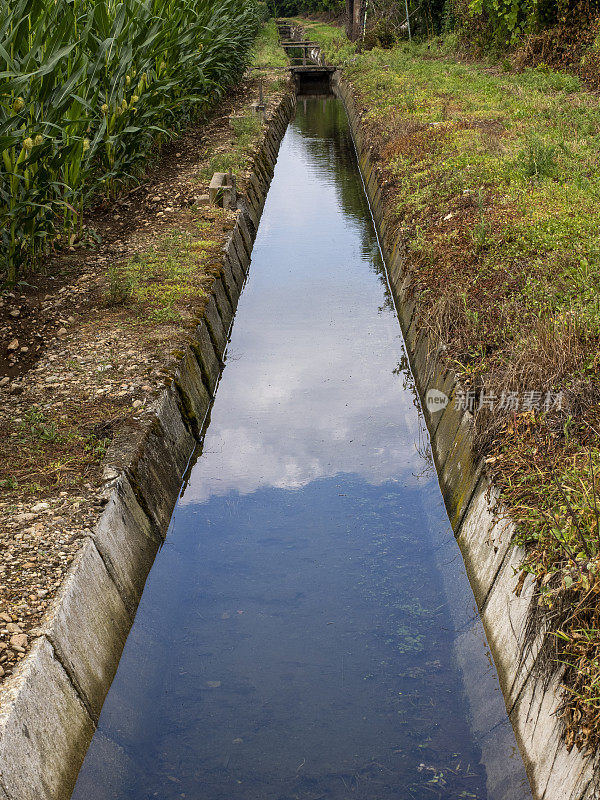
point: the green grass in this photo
(246, 131)
(492, 181)
(267, 53)
(334, 43)
(162, 282)
(529, 141)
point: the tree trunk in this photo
(355, 10)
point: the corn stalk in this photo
(87, 88)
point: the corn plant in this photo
(87, 88)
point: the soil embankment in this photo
(99, 427)
(482, 186)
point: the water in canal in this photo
(307, 631)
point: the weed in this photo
(481, 230)
(97, 447)
(538, 159)
(247, 126)
(36, 426)
(246, 131)
(267, 53)
(511, 287)
(120, 286)
(74, 365)
(278, 85)
(160, 283)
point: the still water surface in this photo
(307, 630)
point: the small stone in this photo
(12, 627)
(5, 617)
(110, 473)
(4, 380)
(137, 404)
(15, 313)
(13, 345)
(40, 507)
(19, 641)
(62, 332)
(24, 349)
(213, 684)
(202, 200)
(26, 517)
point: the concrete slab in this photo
(460, 472)
(420, 359)
(442, 380)
(90, 605)
(215, 326)
(223, 305)
(208, 361)
(155, 479)
(231, 286)
(246, 234)
(216, 185)
(127, 542)
(177, 436)
(484, 540)
(44, 729)
(242, 254)
(237, 268)
(447, 427)
(504, 617)
(552, 770)
(192, 395)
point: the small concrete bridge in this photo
(310, 74)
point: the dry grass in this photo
(491, 177)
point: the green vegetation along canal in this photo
(307, 630)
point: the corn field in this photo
(87, 88)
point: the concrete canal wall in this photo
(49, 708)
(483, 531)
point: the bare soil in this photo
(78, 368)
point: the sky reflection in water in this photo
(307, 630)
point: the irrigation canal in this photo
(308, 630)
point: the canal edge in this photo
(50, 706)
(482, 529)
